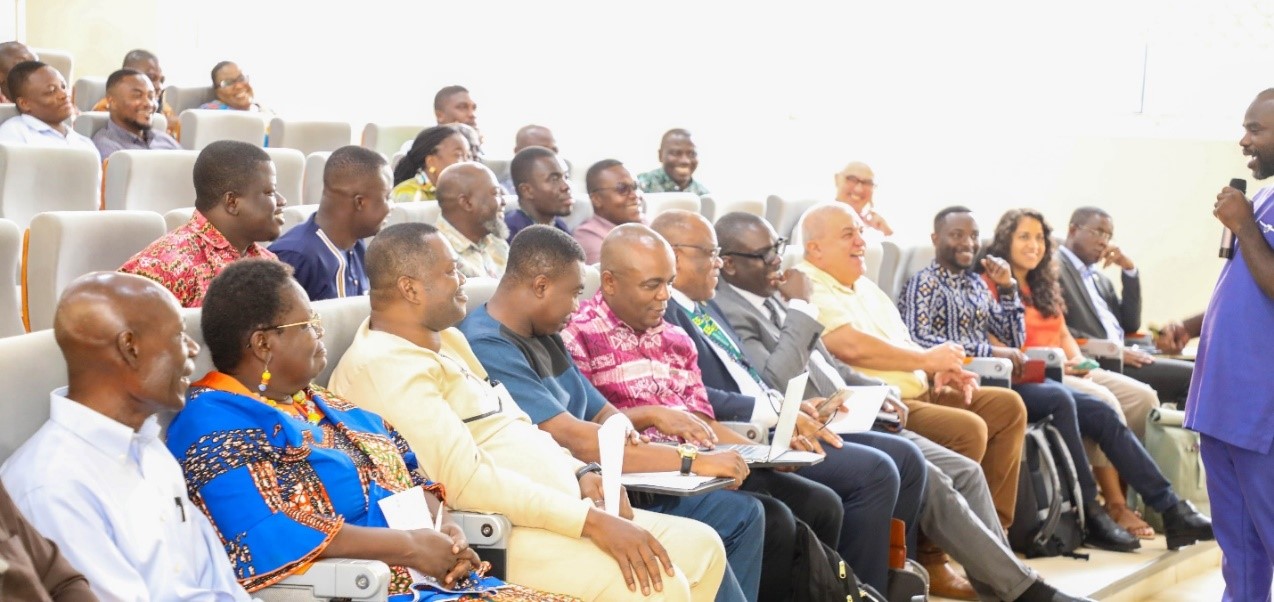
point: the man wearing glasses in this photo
(616, 201)
(855, 186)
(1095, 311)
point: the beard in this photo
(1264, 165)
(495, 225)
(132, 123)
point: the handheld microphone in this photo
(1227, 237)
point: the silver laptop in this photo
(779, 452)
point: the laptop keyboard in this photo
(750, 453)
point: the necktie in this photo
(1108, 319)
(718, 337)
(775, 317)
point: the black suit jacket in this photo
(1081, 308)
(723, 393)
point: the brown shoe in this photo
(945, 582)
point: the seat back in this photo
(312, 180)
(914, 259)
(64, 245)
(479, 290)
(10, 292)
(7, 110)
(89, 122)
(34, 179)
(174, 218)
(413, 211)
(87, 91)
(289, 171)
(592, 281)
(784, 214)
(754, 206)
(341, 319)
(499, 167)
(309, 136)
(181, 98)
(295, 215)
(659, 202)
(31, 366)
(199, 127)
(62, 60)
(387, 139)
(890, 264)
(150, 180)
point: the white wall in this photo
(989, 104)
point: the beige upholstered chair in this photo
(309, 136)
(36, 178)
(387, 139)
(10, 291)
(150, 180)
(199, 128)
(289, 171)
(312, 180)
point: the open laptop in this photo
(779, 452)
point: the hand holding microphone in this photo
(1234, 210)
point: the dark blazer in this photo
(723, 393)
(778, 354)
(1081, 312)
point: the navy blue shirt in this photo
(517, 220)
(538, 372)
(324, 271)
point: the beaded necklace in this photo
(301, 407)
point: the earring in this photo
(433, 170)
(265, 378)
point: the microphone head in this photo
(1239, 184)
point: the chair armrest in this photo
(1054, 360)
(750, 430)
(488, 535)
(1108, 352)
(993, 371)
(333, 579)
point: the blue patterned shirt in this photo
(939, 306)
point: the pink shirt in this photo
(632, 369)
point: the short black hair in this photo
(425, 144)
(594, 172)
(120, 74)
(244, 297)
(446, 93)
(224, 166)
(352, 159)
(541, 249)
(1081, 216)
(673, 132)
(937, 219)
(399, 250)
(138, 56)
(523, 162)
(215, 69)
(730, 225)
(18, 76)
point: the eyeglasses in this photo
(226, 83)
(855, 180)
(713, 252)
(767, 255)
(1101, 235)
(315, 325)
(624, 189)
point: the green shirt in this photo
(658, 180)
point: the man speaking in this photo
(1231, 401)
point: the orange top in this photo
(1040, 331)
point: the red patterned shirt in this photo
(188, 258)
(632, 369)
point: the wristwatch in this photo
(587, 468)
(688, 454)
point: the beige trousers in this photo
(1131, 399)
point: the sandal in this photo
(1131, 521)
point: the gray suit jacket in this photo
(1081, 312)
(780, 355)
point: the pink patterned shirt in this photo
(632, 369)
(188, 258)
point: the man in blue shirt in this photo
(131, 100)
(327, 250)
(544, 192)
(947, 301)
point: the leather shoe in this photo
(1104, 533)
(1043, 592)
(1184, 525)
(944, 581)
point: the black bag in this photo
(1049, 520)
(826, 577)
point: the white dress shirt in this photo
(25, 129)
(1088, 273)
(817, 361)
(115, 502)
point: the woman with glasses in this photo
(289, 473)
(233, 89)
(433, 150)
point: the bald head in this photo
(732, 227)
(834, 241)
(534, 135)
(823, 220)
(638, 269)
(472, 201)
(694, 245)
(461, 179)
(624, 243)
(97, 307)
(12, 53)
(855, 184)
(679, 224)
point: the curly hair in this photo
(1045, 295)
(243, 298)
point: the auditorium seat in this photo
(181, 98)
(783, 214)
(312, 180)
(659, 202)
(479, 290)
(199, 127)
(913, 259)
(62, 60)
(89, 122)
(413, 211)
(387, 139)
(87, 91)
(63, 245)
(150, 180)
(34, 179)
(295, 215)
(891, 257)
(713, 210)
(7, 110)
(174, 218)
(289, 172)
(309, 136)
(10, 292)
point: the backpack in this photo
(827, 575)
(1176, 451)
(1049, 520)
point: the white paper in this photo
(408, 511)
(611, 439)
(670, 480)
(858, 413)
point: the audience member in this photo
(433, 150)
(410, 364)
(679, 158)
(616, 201)
(516, 336)
(855, 186)
(452, 104)
(236, 208)
(131, 102)
(147, 63)
(946, 302)
(233, 88)
(12, 53)
(44, 109)
(327, 250)
(96, 478)
(527, 136)
(34, 567)
(1095, 311)
(544, 192)
(776, 334)
(472, 219)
